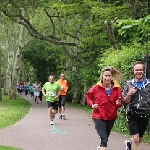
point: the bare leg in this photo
(135, 142)
(103, 148)
(59, 109)
(37, 99)
(50, 113)
(62, 109)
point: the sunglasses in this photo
(51, 79)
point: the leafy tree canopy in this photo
(135, 29)
(45, 58)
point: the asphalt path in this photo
(75, 133)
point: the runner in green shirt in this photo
(51, 90)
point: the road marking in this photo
(58, 131)
(53, 132)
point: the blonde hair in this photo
(115, 73)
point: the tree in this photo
(84, 29)
(45, 59)
(13, 46)
(131, 29)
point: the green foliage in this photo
(45, 58)
(123, 58)
(121, 122)
(135, 29)
(85, 23)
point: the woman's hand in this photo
(119, 101)
(94, 106)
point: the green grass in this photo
(82, 107)
(146, 138)
(8, 148)
(12, 111)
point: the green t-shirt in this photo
(52, 90)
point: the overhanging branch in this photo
(33, 32)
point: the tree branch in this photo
(50, 18)
(33, 32)
(66, 33)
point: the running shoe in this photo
(63, 117)
(51, 122)
(60, 116)
(128, 145)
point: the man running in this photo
(51, 90)
(62, 98)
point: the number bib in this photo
(52, 93)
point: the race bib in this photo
(52, 93)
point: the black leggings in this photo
(103, 128)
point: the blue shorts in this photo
(52, 104)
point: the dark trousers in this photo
(26, 92)
(40, 96)
(103, 128)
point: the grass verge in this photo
(8, 148)
(146, 138)
(12, 111)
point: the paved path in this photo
(76, 133)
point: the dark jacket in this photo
(141, 99)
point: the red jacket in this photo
(107, 107)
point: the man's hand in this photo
(44, 94)
(56, 96)
(132, 91)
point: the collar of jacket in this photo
(114, 83)
(147, 81)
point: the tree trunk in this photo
(9, 57)
(16, 64)
(15, 74)
(83, 95)
(8, 73)
(77, 96)
(0, 78)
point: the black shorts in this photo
(52, 104)
(62, 100)
(137, 125)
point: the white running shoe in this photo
(51, 122)
(64, 117)
(128, 145)
(98, 148)
(60, 116)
